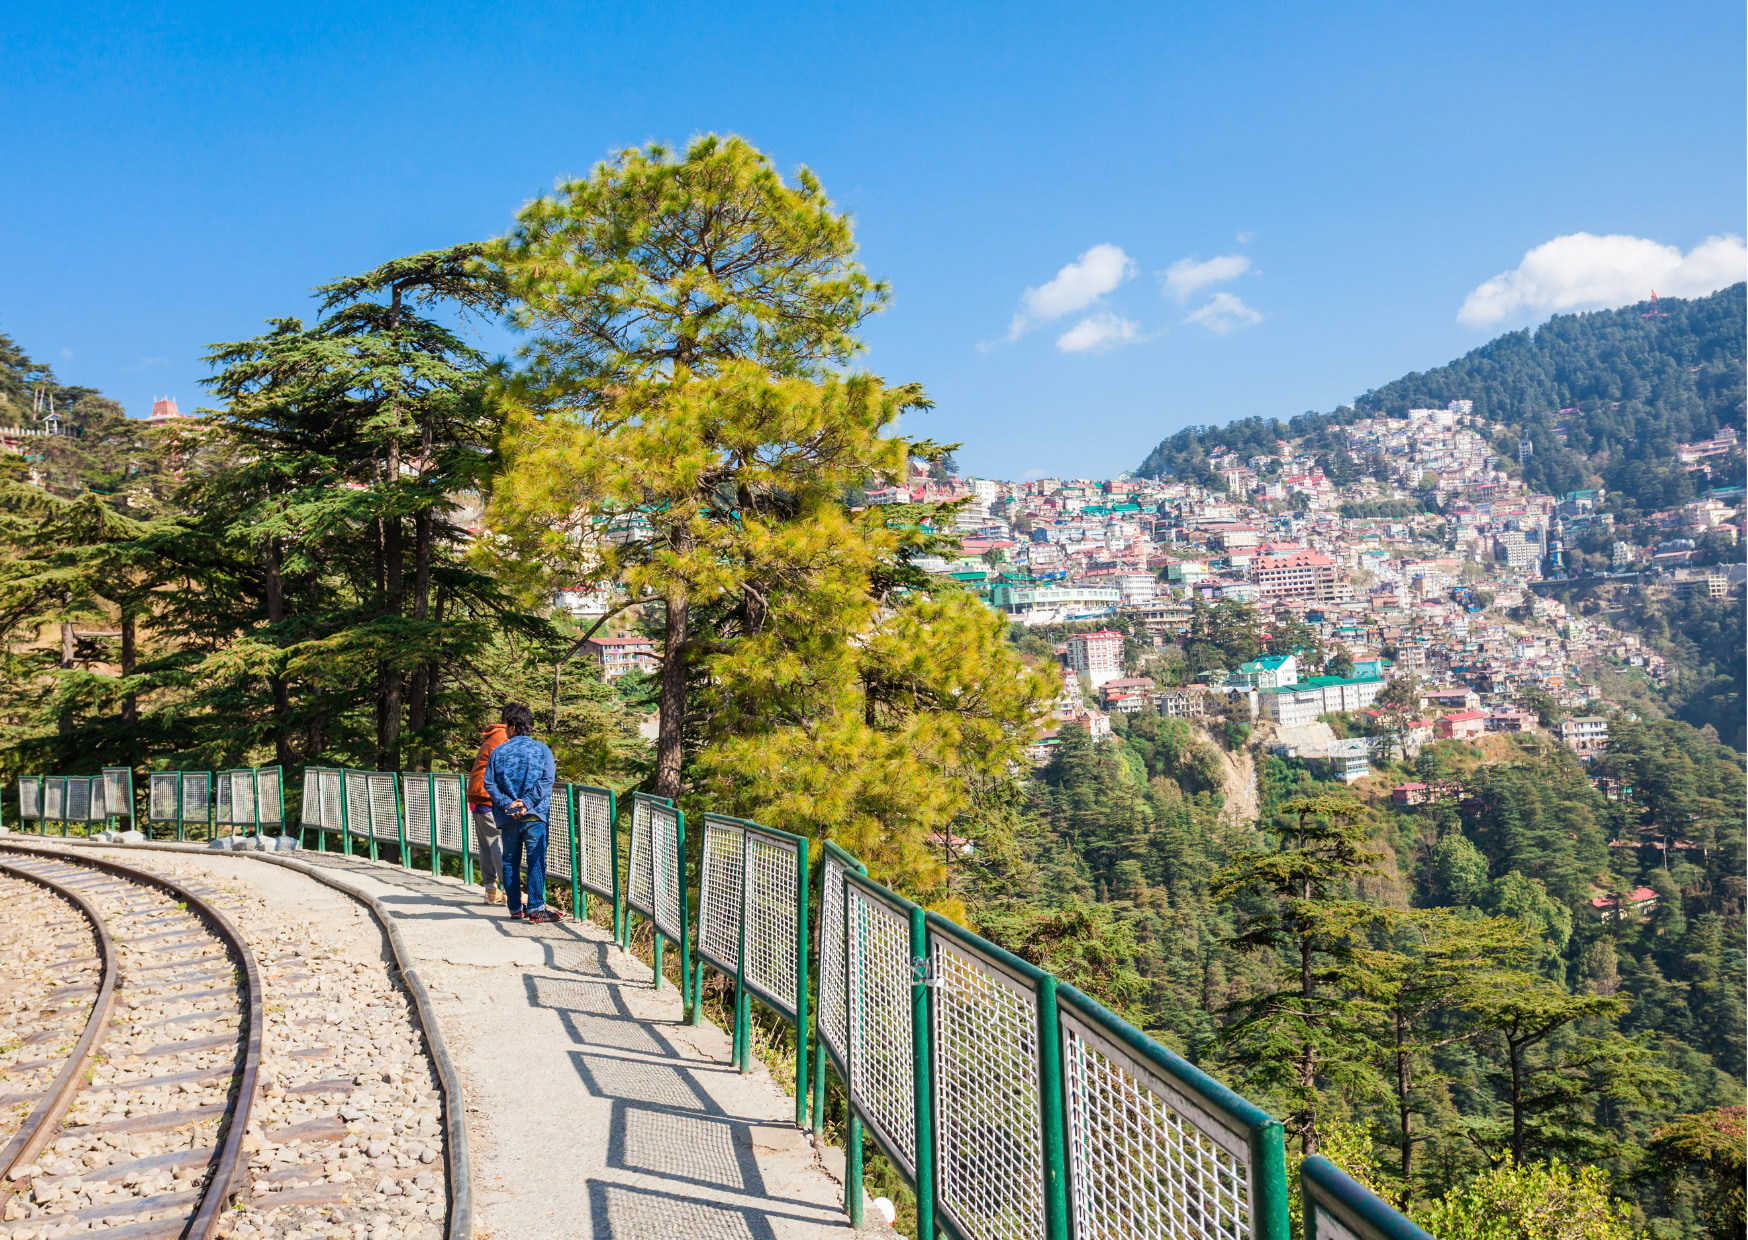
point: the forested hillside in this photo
(1603, 396)
(1473, 999)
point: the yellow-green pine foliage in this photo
(1530, 1201)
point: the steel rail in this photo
(46, 1117)
(232, 1161)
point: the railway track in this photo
(138, 1112)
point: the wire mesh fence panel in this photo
(332, 795)
(770, 965)
(416, 807)
(558, 834)
(669, 859)
(54, 799)
(595, 838)
(721, 869)
(118, 787)
(269, 797)
(357, 803)
(78, 799)
(451, 800)
(221, 810)
(882, 1059)
(30, 796)
(310, 813)
(1146, 1160)
(384, 810)
(833, 1008)
(242, 798)
(196, 797)
(988, 1114)
(162, 795)
(96, 809)
(640, 878)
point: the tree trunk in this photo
(420, 686)
(389, 677)
(1406, 1116)
(673, 694)
(276, 680)
(130, 705)
(64, 724)
(1516, 1050)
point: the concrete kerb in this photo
(459, 1166)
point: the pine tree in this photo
(1313, 1030)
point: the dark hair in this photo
(518, 718)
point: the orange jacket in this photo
(490, 739)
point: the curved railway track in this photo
(175, 1017)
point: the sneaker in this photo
(545, 915)
(494, 896)
(515, 914)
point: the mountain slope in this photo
(1602, 395)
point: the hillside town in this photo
(1460, 592)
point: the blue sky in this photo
(1335, 184)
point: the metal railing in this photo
(1016, 1106)
(1338, 1207)
(752, 926)
(76, 800)
(655, 882)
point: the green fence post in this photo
(613, 857)
(658, 952)
(801, 995)
(1268, 1154)
(743, 1010)
(685, 910)
(923, 1093)
(579, 901)
(1050, 1107)
(853, 1192)
(698, 992)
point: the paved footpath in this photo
(593, 1111)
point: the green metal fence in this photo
(582, 848)
(752, 926)
(1336, 1207)
(1016, 1106)
(655, 881)
(178, 800)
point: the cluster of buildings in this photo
(1456, 597)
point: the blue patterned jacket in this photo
(521, 769)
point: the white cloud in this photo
(1099, 331)
(1584, 270)
(67, 353)
(1245, 238)
(1076, 286)
(1185, 276)
(1224, 313)
(1032, 475)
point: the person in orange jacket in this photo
(489, 842)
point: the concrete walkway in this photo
(592, 1110)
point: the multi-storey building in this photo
(1097, 656)
(619, 655)
(1299, 574)
(1587, 735)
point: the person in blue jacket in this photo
(518, 779)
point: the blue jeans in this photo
(528, 836)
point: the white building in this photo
(1097, 656)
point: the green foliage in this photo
(1382, 509)
(1700, 1162)
(1530, 1201)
